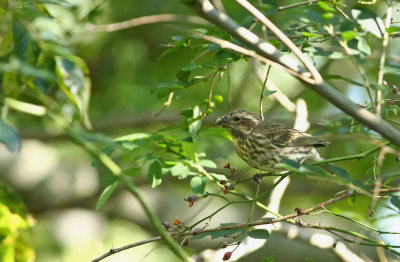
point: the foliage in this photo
(14, 224)
(44, 81)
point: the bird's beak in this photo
(222, 121)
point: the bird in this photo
(262, 144)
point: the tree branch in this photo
(374, 122)
(299, 212)
(151, 19)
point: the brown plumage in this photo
(261, 144)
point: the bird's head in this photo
(239, 122)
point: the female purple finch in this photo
(262, 144)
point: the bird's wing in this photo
(283, 136)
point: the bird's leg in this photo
(258, 177)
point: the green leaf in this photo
(276, 43)
(391, 176)
(351, 200)
(305, 168)
(268, 259)
(289, 164)
(395, 200)
(348, 35)
(163, 89)
(221, 233)
(207, 163)
(268, 7)
(71, 73)
(269, 92)
(377, 86)
(343, 177)
(339, 77)
(198, 184)
(217, 132)
(326, 7)
(9, 137)
(227, 232)
(369, 21)
(7, 39)
(259, 234)
(363, 46)
(105, 195)
(16, 245)
(154, 174)
(308, 34)
(134, 171)
(180, 171)
(224, 56)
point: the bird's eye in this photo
(236, 118)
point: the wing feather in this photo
(283, 136)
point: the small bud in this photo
(384, 83)
(225, 190)
(222, 244)
(197, 231)
(227, 256)
(223, 182)
(190, 198)
(395, 89)
(177, 222)
(166, 225)
(186, 242)
(191, 203)
(227, 165)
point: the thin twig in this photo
(281, 8)
(146, 20)
(132, 245)
(278, 95)
(262, 93)
(246, 52)
(229, 90)
(385, 42)
(166, 104)
(210, 94)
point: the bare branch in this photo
(151, 19)
(267, 50)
